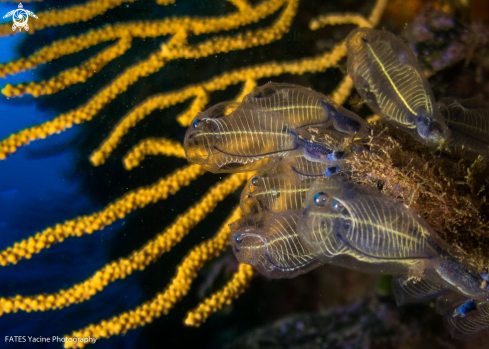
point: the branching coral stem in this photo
(176, 290)
(138, 260)
(72, 14)
(97, 221)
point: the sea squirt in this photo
(236, 138)
(468, 121)
(272, 247)
(356, 227)
(360, 228)
(300, 107)
(408, 289)
(276, 192)
(464, 318)
(297, 105)
(388, 77)
(272, 123)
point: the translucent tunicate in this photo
(229, 138)
(409, 289)
(274, 192)
(468, 121)
(464, 318)
(354, 226)
(388, 77)
(272, 247)
(300, 107)
(360, 228)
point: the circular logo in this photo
(20, 17)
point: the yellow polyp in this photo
(233, 289)
(198, 105)
(248, 86)
(241, 5)
(165, 2)
(152, 146)
(340, 95)
(338, 19)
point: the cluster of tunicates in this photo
(300, 211)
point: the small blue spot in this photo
(485, 276)
(330, 171)
(466, 307)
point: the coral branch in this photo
(343, 90)
(337, 19)
(140, 29)
(70, 76)
(88, 224)
(178, 288)
(238, 284)
(152, 146)
(72, 14)
(138, 260)
(154, 63)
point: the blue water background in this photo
(39, 188)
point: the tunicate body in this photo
(468, 121)
(300, 107)
(388, 77)
(360, 228)
(236, 138)
(266, 193)
(272, 247)
(274, 122)
(350, 225)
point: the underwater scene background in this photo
(54, 180)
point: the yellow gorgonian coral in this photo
(236, 30)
